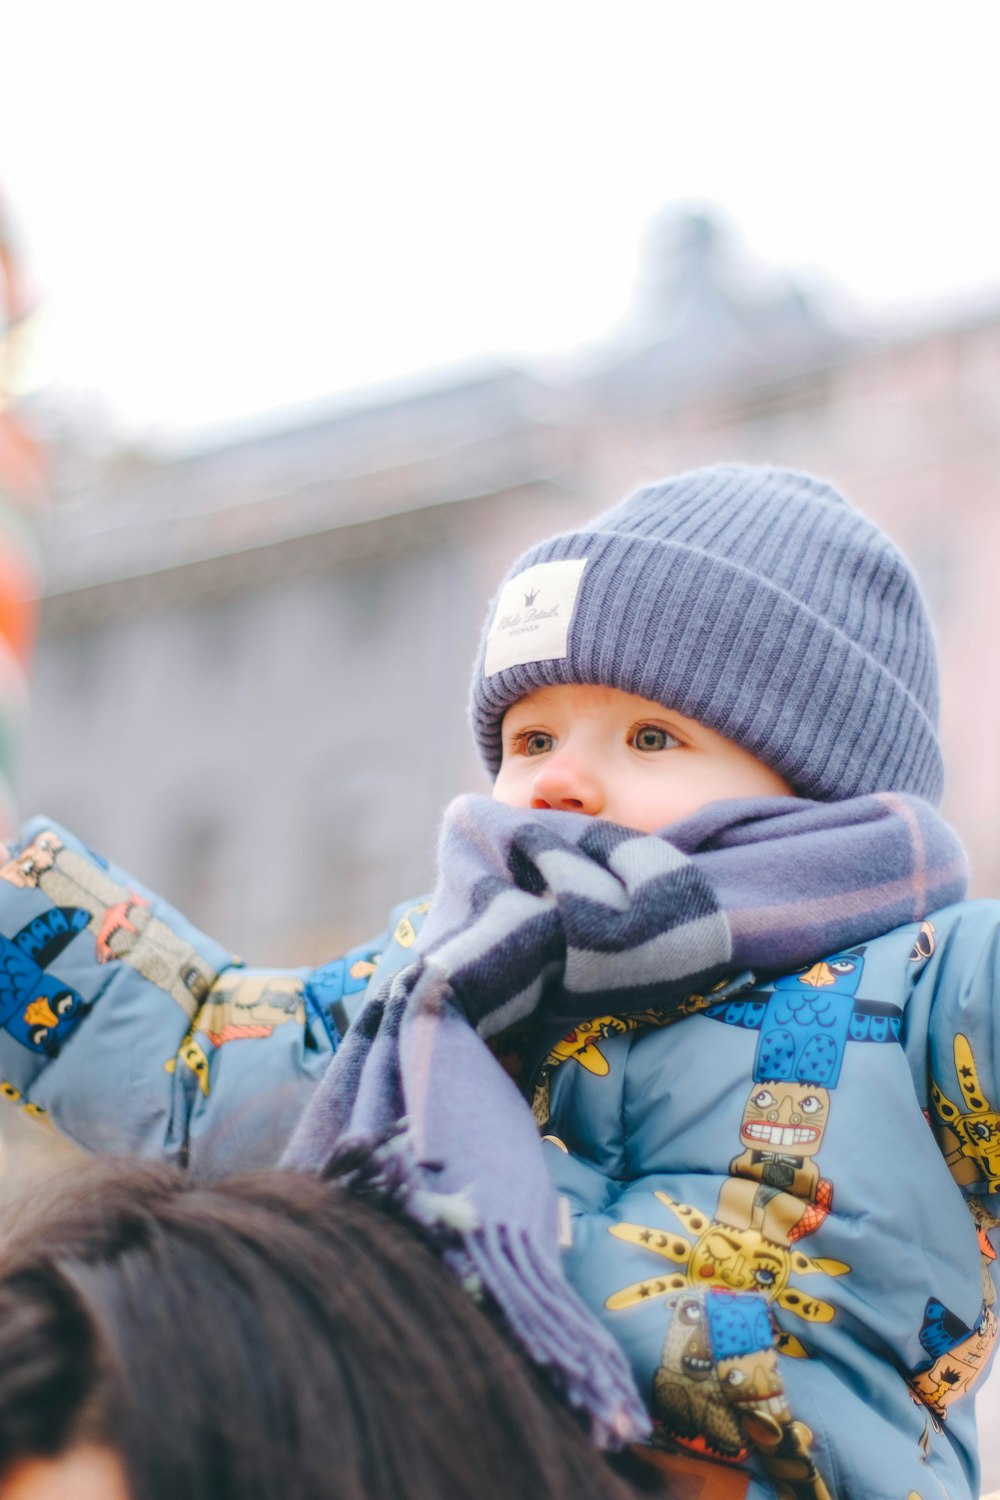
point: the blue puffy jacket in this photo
(827, 1146)
(781, 1204)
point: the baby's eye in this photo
(534, 742)
(651, 737)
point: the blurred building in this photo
(254, 659)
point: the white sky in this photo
(235, 207)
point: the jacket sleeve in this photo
(956, 1002)
(132, 1032)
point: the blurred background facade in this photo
(253, 658)
(23, 484)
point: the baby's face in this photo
(613, 755)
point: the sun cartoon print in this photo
(725, 1257)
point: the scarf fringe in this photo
(509, 1267)
(559, 1333)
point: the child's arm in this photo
(134, 1032)
(956, 1005)
(953, 1043)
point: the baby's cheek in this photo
(510, 788)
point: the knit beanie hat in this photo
(755, 600)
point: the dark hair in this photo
(263, 1337)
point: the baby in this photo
(777, 1146)
(738, 986)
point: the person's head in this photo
(265, 1338)
(731, 632)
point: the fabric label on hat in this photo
(533, 616)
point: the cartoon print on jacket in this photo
(970, 1137)
(581, 1045)
(804, 1024)
(726, 1257)
(773, 1196)
(121, 920)
(742, 1338)
(924, 944)
(956, 1356)
(783, 1448)
(695, 1400)
(984, 1222)
(688, 1401)
(325, 990)
(240, 1007)
(775, 1185)
(806, 1020)
(35, 1007)
(13, 1095)
(718, 1388)
(406, 929)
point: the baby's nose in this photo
(564, 784)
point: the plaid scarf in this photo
(560, 917)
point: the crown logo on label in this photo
(528, 631)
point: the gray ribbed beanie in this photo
(754, 599)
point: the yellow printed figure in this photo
(241, 1007)
(970, 1136)
(783, 1448)
(194, 1057)
(727, 1258)
(406, 932)
(250, 1005)
(580, 1044)
(775, 1186)
(13, 1095)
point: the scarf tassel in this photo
(558, 1332)
(508, 1266)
